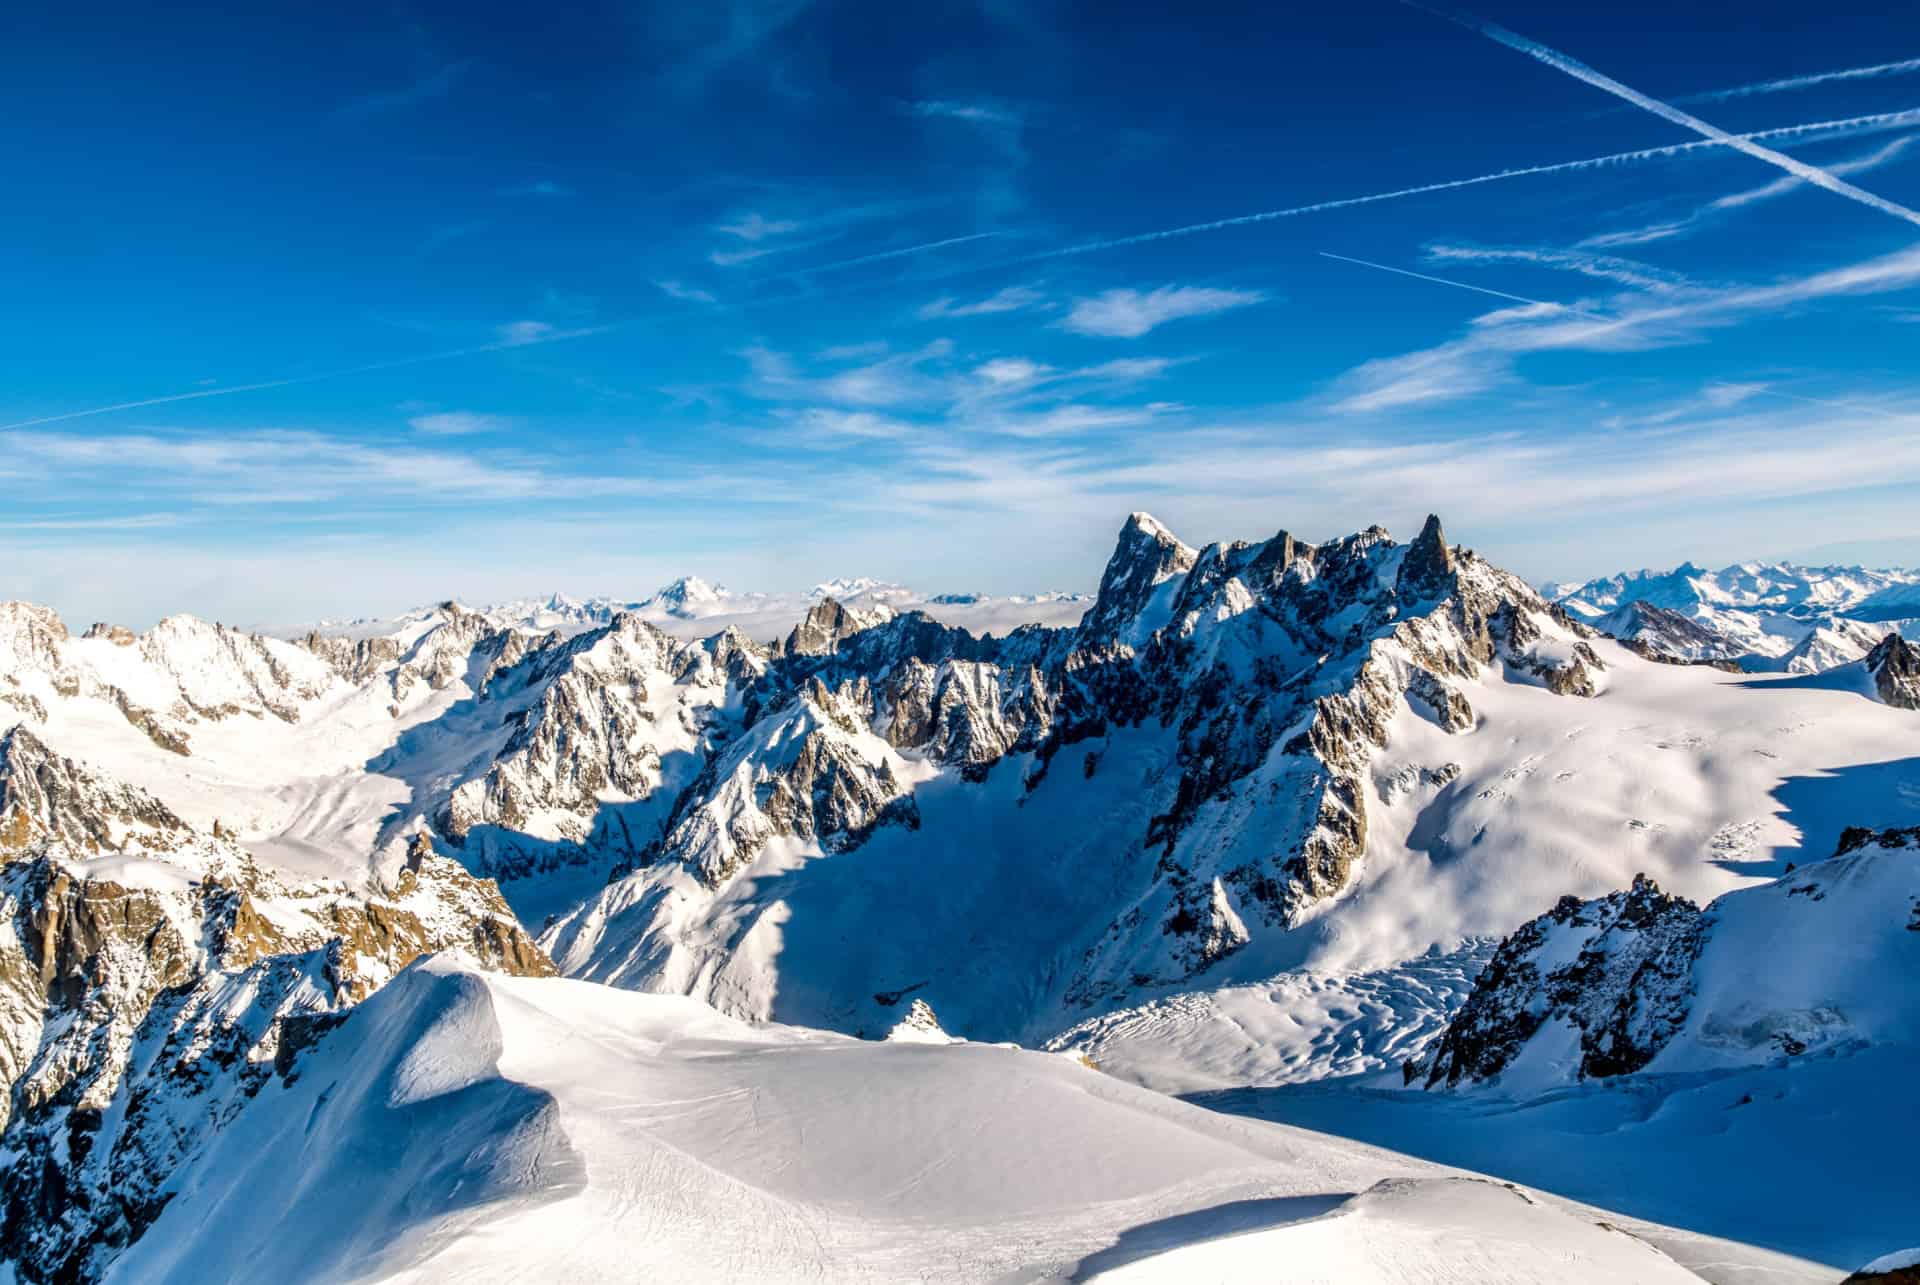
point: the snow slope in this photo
(464, 1126)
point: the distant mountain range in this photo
(691, 607)
(1764, 616)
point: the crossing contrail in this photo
(1877, 122)
(1668, 112)
(1846, 127)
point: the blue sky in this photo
(311, 314)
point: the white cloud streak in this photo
(1129, 314)
(1668, 112)
(1905, 66)
(1484, 356)
(456, 423)
(1712, 210)
(1602, 267)
(1010, 299)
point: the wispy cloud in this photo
(305, 468)
(1127, 369)
(1068, 420)
(1875, 71)
(973, 113)
(1484, 357)
(830, 428)
(680, 290)
(1705, 215)
(127, 522)
(1010, 299)
(1668, 112)
(518, 334)
(1602, 267)
(1010, 371)
(890, 382)
(1128, 314)
(456, 423)
(756, 227)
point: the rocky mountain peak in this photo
(687, 592)
(820, 631)
(31, 635)
(1427, 569)
(1895, 668)
(118, 635)
(1614, 969)
(1145, 557)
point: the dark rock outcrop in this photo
(1622, 988)
(1894, 666)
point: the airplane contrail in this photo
(1668, 112)
(1874, 72)
(396, 363)
(1847, 126)
(884, 254)
(420, 359)
(1460, 285)
(1874, 123)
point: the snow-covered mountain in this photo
(1821, 958)
(1765, 615)
(1258, 816)
(692, 608)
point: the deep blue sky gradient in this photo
(677, 250)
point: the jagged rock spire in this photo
(1146, 554)
(1429, 562)
(1895, 666)
(826, 623)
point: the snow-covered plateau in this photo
(1346, 911)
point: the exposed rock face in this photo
(183, 672)
(1147, 556)
(807, 772)
(1894, 666)
(1427, 570)
(1570, 671)
(118, 635)
(44, 794)
(1615, 969)
(1820, 958)
(919, 1026)
(822, 629)
(1663, 634)
(617, 716)
(141, 1007)
(1267, 675)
